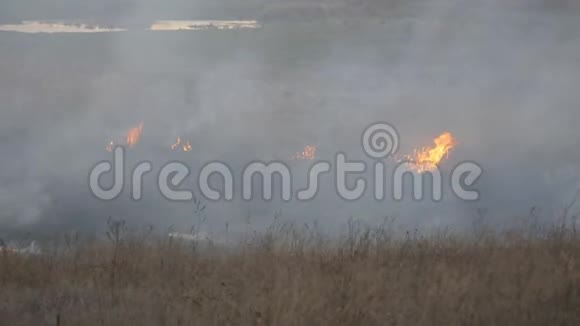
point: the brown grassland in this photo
(297, 277)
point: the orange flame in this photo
(308, 153)
(187, 147)
(134, 134)
(177, 143)
(427, 158)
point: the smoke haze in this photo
(501, 76)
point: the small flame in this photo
(110, 146)
(427, 158)
(308, 153)
(177, 143)
(187, 147)
(134, 134)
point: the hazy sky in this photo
(501, 76)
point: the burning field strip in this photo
(422, 160)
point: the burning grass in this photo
(294, 277)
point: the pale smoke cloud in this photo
(24, 204)
(500, 76)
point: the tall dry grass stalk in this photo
(297, 277)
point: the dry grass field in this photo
(287, 277)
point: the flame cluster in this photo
(134, 134)
(426, 159)
(186, 146)
(422, 160)
(308, 153)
